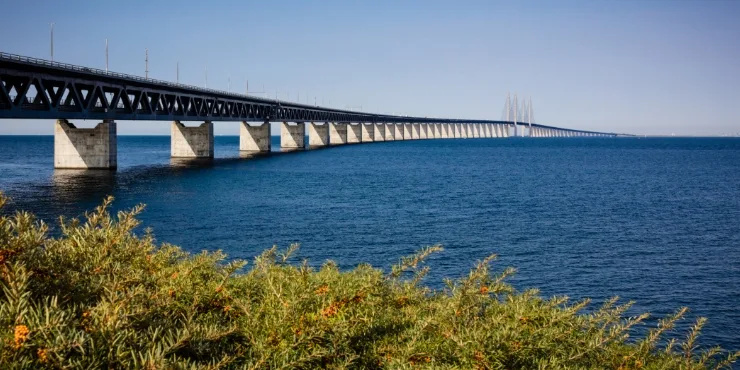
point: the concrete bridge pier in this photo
(390, 132)
(191, 142)
(292, 137)
(379, 132)
(368, 132)
(437, 131)
(476, 131)
(398, 131)
(415, 131)
(407, 128)
(337, 133)
(424, 131)
(354, 133)
(254, 138)
(318, 135)
(456, 130)
(85, 148)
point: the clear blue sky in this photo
(645, 67)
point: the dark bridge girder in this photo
(39, 89)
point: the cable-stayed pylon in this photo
(518, 113)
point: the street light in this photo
(52, 40)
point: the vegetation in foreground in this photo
(99, 296)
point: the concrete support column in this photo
(390, 132)
(456, 128)
(437, 131)
(407, 128)
(415, 131)
(254, 138)
(497, 130)
(424, 132)
(368, 132)
(354, 133)
(337, 133)
(488, 130)
(85, 148)
(318, 135)
(191, 142)
(476, 130)
(292, 136)
(379, 132)
(398, 131)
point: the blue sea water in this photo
(655, 220)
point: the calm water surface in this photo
(651, 220)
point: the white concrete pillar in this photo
(390, 132)
(488, 130)
(457, 130)
(354, 133)
(337, 133)
(191, 142)
(437, 131)
(398, 131)
(476, 130)
(254, 138)
(368, 132)
(292, 136)
(424, 132)
(318, 135)
(407, 128)
(416, 131)
(85, 148)
(379, 132)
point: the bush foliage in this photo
(99, 296)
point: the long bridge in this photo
(33, 88)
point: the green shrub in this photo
(99, 296)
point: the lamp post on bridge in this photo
(146, 63)
(51, 34)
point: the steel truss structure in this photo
(33, 88)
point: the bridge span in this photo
(33, 88)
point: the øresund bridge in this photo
(33, 88)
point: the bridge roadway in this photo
(40, 89)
